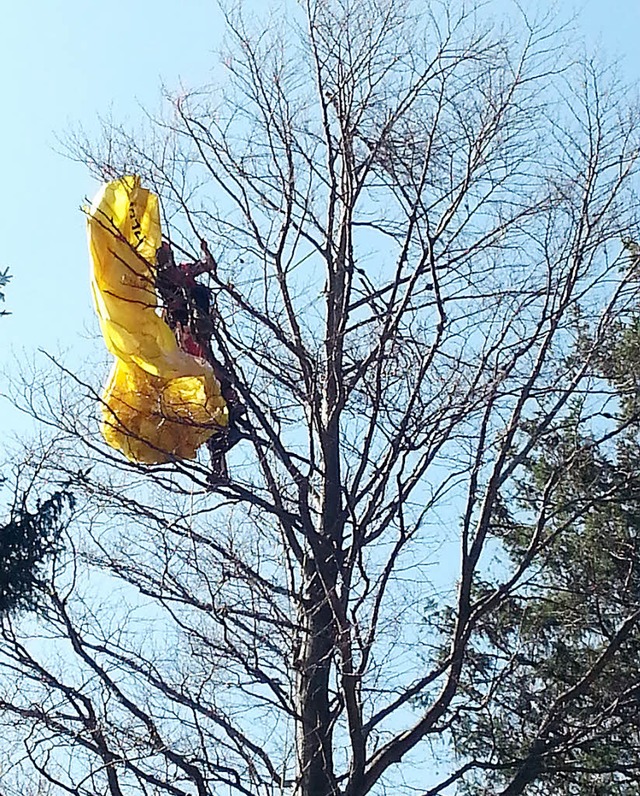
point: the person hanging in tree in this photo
(187, 310)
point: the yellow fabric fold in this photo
(159, 402)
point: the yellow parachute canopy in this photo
(159, 403)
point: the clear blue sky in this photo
(62, 64)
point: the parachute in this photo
(159, 403)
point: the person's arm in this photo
(207, 265)
(164, 255)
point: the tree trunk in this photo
(315, 731)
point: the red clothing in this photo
(186, 307)
(188, 343)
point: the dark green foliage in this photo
(4, 279)
(26, 542)
(28, 539)
(554, 673)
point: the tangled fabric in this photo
(160, 403)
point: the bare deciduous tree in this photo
(417, 216)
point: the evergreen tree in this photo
(4, 280)
(555, 669)
(27, 541)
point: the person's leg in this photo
(217, 457)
